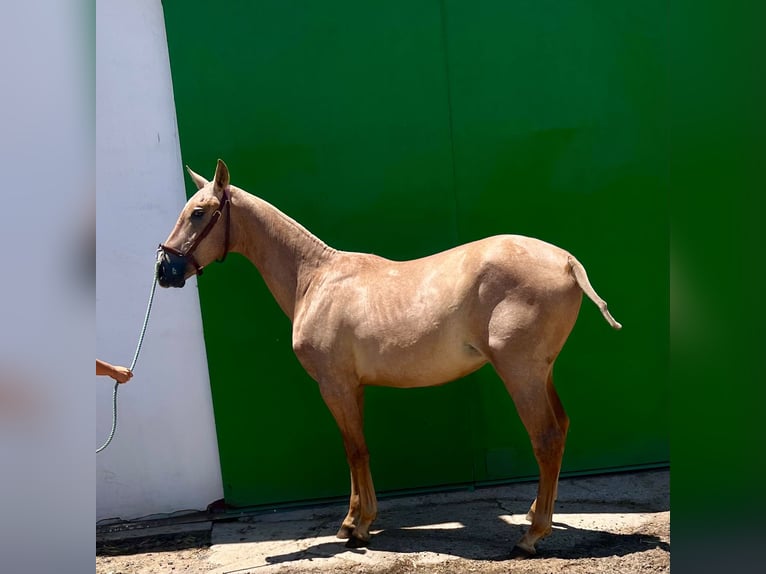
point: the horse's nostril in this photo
(171, 269)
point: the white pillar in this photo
(164, 457)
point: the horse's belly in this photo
(418, 365)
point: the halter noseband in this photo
(189, 253)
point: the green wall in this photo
(403, 128)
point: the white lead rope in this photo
(133, 363)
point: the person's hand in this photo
(117, 372)
(121, 374)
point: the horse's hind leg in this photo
(346, 407)
(529, 389)
(563, 421)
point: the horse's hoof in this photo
(523, 550)
(345, 532)
(355, 542)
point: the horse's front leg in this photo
(346, 403)
(352, 518)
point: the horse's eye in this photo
(198, 213)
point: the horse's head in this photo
(197, 238)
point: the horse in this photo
(359, 319)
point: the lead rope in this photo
(133, 363)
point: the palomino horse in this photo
(359, 319)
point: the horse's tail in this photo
(581, 277)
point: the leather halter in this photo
(189, 253)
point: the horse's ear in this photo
(198, 180)
(221, 175)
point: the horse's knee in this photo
(549, 443)
(357, 455)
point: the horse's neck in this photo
(284, 251)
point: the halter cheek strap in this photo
(189, 253)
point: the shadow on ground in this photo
(477, 525)
(487, 537)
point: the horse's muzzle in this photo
(171, 270)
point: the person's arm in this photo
(117, 372)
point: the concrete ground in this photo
(623, 517)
